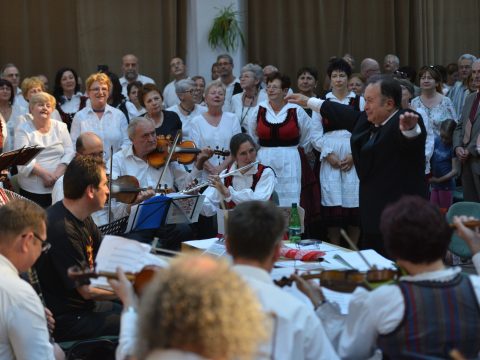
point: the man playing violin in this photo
(134, 161)
(254, 239)
(428, 312)
(254, 183)
(81, 311)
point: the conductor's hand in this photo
(408, 121)
(298, 99)
(124, 289)
(471, 237)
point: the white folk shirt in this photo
(111, 128)
(58, 150)
(23, 326)
(241, 189)
(377, 312)
(227, 105)
(299, 333)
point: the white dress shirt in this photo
(111, 128)
(23, 326)
(187, 119)
(58, 150)
(298, 332)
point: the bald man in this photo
(130, 73)
(369, 67)
(88, 143)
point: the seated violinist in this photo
(80, 310)
(429, 312)
(254, 239)
(134, 161)
(252, 183)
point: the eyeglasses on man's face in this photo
(45, 244)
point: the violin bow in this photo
(355, 248)
(110, 187)
(170, 154)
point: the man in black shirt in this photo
(80, 310)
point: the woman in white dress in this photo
(280, 128)
(214, 128)
(339, 182)
(251, 77)
(36, 179)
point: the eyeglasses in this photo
(45, 244)
(192, 91)
(98, 89)
(400, 74)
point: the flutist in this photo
(255, 182)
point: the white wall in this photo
(200, 56)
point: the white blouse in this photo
(111, 128)
(58, 150)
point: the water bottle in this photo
(294, 227)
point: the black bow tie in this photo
(374, 129)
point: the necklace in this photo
(187, 111)
(244, 115)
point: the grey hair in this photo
(183, 85)
(255, 69)
(395, 57)
(470, 57)
(216, 84)
(132, 126)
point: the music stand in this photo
(19, 157)
(150, 214)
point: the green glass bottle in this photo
(294, 227)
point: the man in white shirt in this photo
(428, 312)
(225, 69)
(10, 72)
(23, 325)
(254, 239)
(130, 73)
(179, 72)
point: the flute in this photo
(207, 183)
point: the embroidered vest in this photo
(256, 178)
(286, 133)
(439, 316)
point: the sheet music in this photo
(217, 249)
(184, 208)
(130, 255)
(356, 262)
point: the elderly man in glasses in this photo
(24, 333)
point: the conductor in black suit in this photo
(388, 149)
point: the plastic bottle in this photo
(294, 227)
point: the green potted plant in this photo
(226, 30)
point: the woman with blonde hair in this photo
(36, 179)
(108, 123)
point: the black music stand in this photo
(19, 157)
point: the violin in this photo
(125, 189)
(347, 280)
(139, 280)
(184, 152)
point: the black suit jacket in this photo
(388, 164)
